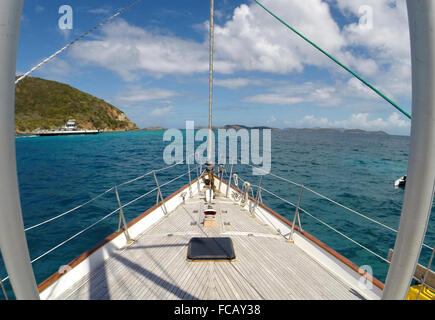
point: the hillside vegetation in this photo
(48, 104)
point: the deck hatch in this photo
(210, 249)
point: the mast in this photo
(210, 114)
(13, 242)
(209, 166)
(420, 180)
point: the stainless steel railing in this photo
(122, 219)
(233, 179)
(298, 209)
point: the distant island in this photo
(45, 104)
(324, 130)
(238, 127)
(348, 131)
(153, 128)
(336, 130)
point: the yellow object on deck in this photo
(426, 293)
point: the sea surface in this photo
(57, 174)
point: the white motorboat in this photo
(70, 128)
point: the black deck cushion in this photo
(210, 249)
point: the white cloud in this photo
(394, 123)
(131, 51)
(250, 41)
(161, 111)
(388, 41)
(57, 69)
(274, 98)
(319, 94)
(237, 83)
(253, 40)
(389, 36)
(351, 95)
(137, 95)
(105, 10)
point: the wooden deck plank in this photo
(163, 278)
(203, 288)
(177, 271)
(155, 254)
(251, 267)
(200, 280)
(155, 266)
(193, 271)
(133, 254)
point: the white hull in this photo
(66, 133)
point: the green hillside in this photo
(48, 104)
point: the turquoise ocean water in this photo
(57, 174)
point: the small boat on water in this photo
(400, 183)
(70, 128)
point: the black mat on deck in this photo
(210, 249)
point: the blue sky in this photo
(152, 61)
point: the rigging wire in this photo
(102, 194)
(73, 42)
(395, 105)
(105, 217)
(330, 200)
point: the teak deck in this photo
(155, 265)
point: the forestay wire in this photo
(73, 42)
(395, 105)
